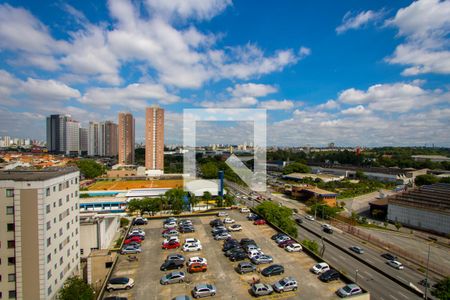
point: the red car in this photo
(260, 222)
(171, 245)
(133, 239)
(286, 243)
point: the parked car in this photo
(192, 241)
(262, 259)
(309, 217)
(389, 256)
(251, 247)
(349, 290)
(282, 239)
(197, 267)
(171, 245)
(259, 222)
(120, 283)
(171, 224)
(285, 243)
(230, 246)
(277, 235)
(132, 239)
(185, 222)
(190, 247)
(299, 221)
(172, 232)
(137, 231)
(203, 290)
(395, 264)
(173, 277)
(295, 247)
(222, 236)
(175, 256)
(216, 222)
(245, 267)
(186, 229)
(261, 289)
(170, 220)
(286, 284)
(140, 221)
(222, 214)
(357, 249)
(134, 235)
(233, 250)
(130, 250)
(171, 238)
(246, 241)
(320, 268)
(228, 220)
(235, 227)
(133, 244)
(273, 270)
(252, 216)
(237, 256)
(244, 210)
(329, 275)
(197, 260)
(171, 265)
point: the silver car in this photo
(286, 284)
(173, 277)
(262, 259)
(261, 289)
(203, 290)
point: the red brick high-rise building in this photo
(154, 138)
(126, 139)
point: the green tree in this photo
(229, 200)
(209, 170)
(442, 289)
(76, 289)
(311, 245)
(135, 205)
(445, 180)
(426, 179)
(175, 199)
(398, 225)
(124, 222)
(280, 216)
(219, 201)
(207, 197)
(152, 205)
(193, 200)
(296, 167)
(360, 175)
(90, 168)
(324, 211)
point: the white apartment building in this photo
(72, 137)
(97, 232)
(39, 232)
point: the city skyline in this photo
(359, 73)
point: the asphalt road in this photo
(375, 282)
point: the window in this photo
(11, 244)
(60, 232)
(61, 275)
(49, 242)
(47, 192)
(68, 225)
(67, 198)
(76, 193)
(60, 187)
(49, 290)
(60, 202)
(61, 260)
(81, 251)
(48, 225)
(9, 192)
(10, 210)
(11, 277)
(11, 261)
(10, 226)
(49, 274)
(54, 188)
(49, 258)
(54, 204)
(47, 208)
(76, 180)
(12, 294)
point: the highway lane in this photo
(379, 286)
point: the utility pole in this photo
(426, 274)
(315, 208)
(356, 276)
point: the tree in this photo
(426, 179)
(219, 201)
(135, 205)
(311, 245)
(398, 225)
(206, 197)
(229, 200)
(360, 175)
(209, 170)
(76, 289)
(152, 205)
(193, 200)
(90, 168)
(296, 167)
(442, 289)
(175, 199)
(280, 216)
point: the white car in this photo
(309, 217)
(326, 226)
(245, 210)
(192, 241)
(222, 214)
(254, 253)
(172, 224)
(197, 259)
(228, 221)
(137, 231)
(320, 268)
(293, 248)
(171, 238)
(191, 247)
(395, 264)
(235, 227)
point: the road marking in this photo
(403, 295)
(393, 297)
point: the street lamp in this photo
(356, 276)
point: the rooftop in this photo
(35, 175)
(432, 197)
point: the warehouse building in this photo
(425, 208)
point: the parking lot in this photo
(221, 273)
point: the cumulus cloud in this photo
(196, 9)
(252, 90)
(277, 105)
(44, 90)
(357, 110)
(425, 27)
(355, 21)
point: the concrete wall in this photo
(98, 234)
(419, 218)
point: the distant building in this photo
(425, 208)
(126, 139)
(56, 133)
(110, 138)
(433, 158)
(322, 177)
(39, 233)
(83, 141)
(72, 137)
(307, 192)
(154, 140)
(93, 149)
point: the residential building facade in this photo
(56, 133)
(126, 139)
(39, 232)
(72, 137)
(154, 138)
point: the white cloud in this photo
(252, 90)
(231, 103)
(197, 9)
(277, 105)
(357, 110)
(351, 21)
(137, 96)
(425, 26)
(44, 90)
(329, 105)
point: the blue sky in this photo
(367, 73)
